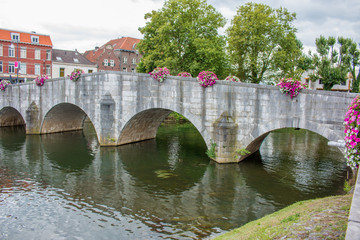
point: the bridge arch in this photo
(144, 125)
(9, 116)
(64, 117)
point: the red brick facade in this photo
(30, 51)
(116, 55)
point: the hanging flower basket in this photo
(184, 74)
(290, 86)
(3, 84)
(40, 80)
(207, 78)
(352, 136)
(75, 75)
(232, 78)
(160, 74)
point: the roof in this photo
(25, 37)
(68, 56)
(122, 44)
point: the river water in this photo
(64, 186)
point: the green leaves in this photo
(262, 40)
(183, 36)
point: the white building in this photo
(64, 62)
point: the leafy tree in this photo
(332, 65)
(183, 36)
(262, 42)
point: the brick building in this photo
(24, 55)
(116, 55)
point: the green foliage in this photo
(211, 151)
(291, 218)
(347, 187)
(177, 117)
(183, 36)
(262, 41)
(332, 65)
(242, 152)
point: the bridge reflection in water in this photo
(65, 185)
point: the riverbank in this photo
(324, 218)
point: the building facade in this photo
(24, 55)
(116, 55)
(64, 62)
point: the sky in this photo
(84, 24)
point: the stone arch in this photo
(144, 125)
(9, 116)
(255, 144)
(63, 117)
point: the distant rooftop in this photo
(68, 56)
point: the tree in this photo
(183, 36)
(332, 65)
(262, 42)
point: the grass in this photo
(324, 218)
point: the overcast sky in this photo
(83, 24)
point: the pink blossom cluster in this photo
(207, 78)
(352, 138)
(160, 73)
(3, 84)
(184, 74)
(232, 78)
(290, 86)
(76, 74)
(40, 80)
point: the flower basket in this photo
(184, 74)
(352, 138)
(232, 78)
(207, 78)
(3, 84)
(75, 75)
(160, 74)
(290, 86)
(40, 80)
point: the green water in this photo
(64, 186)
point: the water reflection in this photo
(66, 186)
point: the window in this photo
(22, 69)
(134, 61)
(37, 69)
(23, 52)
(48, 54)
(125, 59)
(124, 70)
(90, 71)
(1, 50)
(15, 37)
(1, 66)
(37, 53)
(106, 62)
(62, 72)
(11, 67)
(112, 63)
(58, 58)
(133, 70)
(11, 51)
(34, 39)
(48, 70)
(76, 60)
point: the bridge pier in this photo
(225, 133)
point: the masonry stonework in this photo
(129, 107)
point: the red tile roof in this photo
(25, 37)
(125, 43)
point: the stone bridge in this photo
(129, 107)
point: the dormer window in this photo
(15, 37)
(76, 60)
(35, 39)
(58, 58)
